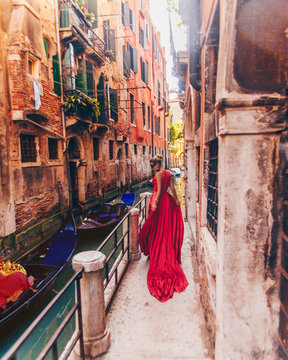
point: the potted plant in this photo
(109, 53)
(81, 105)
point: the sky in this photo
(160, 18)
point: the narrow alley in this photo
(144, 328)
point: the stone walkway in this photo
(143, 328)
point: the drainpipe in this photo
(70, 202)
(108, 100)
(60, 70)
(152, 126)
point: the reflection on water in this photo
(47, 327)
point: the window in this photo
(33, 67)
(109, 39)
(143, 150)
(132, 109)
(135, 149)
(133, 54)
(91, 5)
(126, 150)
(53, 148)
(28, 148)
(149, 150)
(111, 145)
(159, 94)
(96, 148)
(144, 114)
(212, 200)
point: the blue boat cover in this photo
(128, 198)
(61, 248)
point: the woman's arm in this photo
(174, 191)
(158, 177)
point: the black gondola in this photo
(100, 223)
(44, 262)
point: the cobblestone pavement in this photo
(143, 328)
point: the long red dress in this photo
(161, 238)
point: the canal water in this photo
(47, 327)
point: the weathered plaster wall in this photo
(7, 211)
(247, 287)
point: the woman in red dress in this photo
(161, 237)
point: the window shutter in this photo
(132, 21)
(135, 60)
(112, 43)
(101, 100)
(147, 31)
(90, 80)
(64, 14)
(126, 62)
(81, 83)
(56, 74)
(114, 104)
(146, 72)
(144, 40)
(126, 14)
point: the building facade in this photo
(234, 77)
(82, 109)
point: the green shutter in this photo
(81, 83)
(56, 74)
(64, 15)
(45, 46)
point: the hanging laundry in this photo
(36, 95)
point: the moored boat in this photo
(43, 264)
(100, 223)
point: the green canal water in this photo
(34, 344)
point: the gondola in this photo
(44, 262)
(100, 223)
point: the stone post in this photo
(149, 195)
(134, 250)
(95, 333)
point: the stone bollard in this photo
(134, 250)
(95, 333)
(149, 195)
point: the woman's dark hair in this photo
(156, 159)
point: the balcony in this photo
(82, 111)
(75, 28)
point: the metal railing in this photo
(117, 257)
(51, 348)
(71, 16)
(117, 262)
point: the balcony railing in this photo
(73, 19)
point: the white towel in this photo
(36, 95)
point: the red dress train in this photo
(161, 238)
